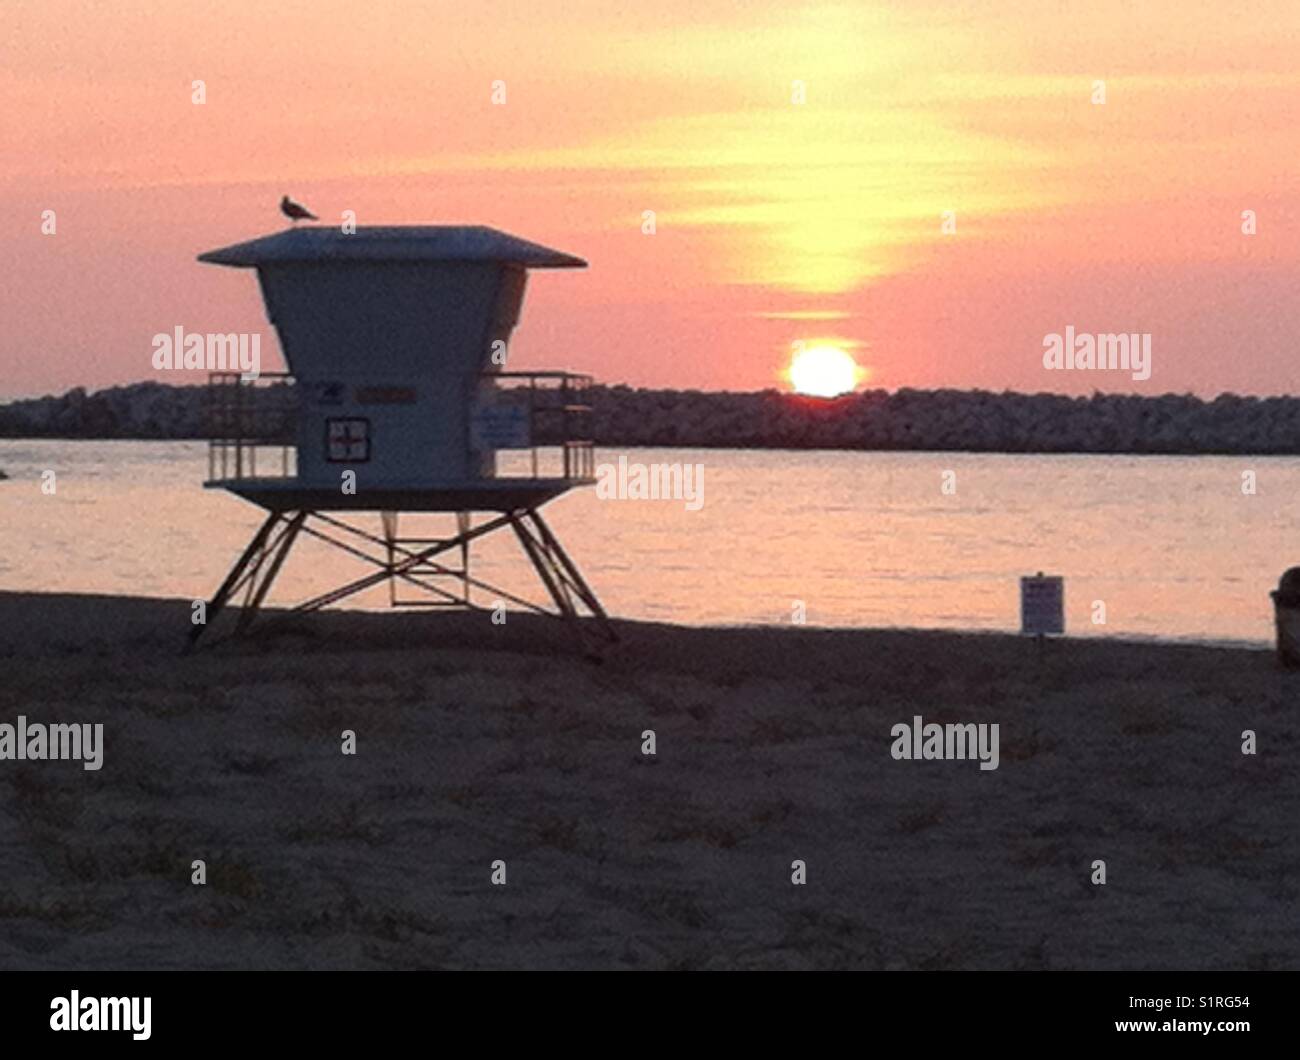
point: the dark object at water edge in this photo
(1286, 615)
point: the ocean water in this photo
(1161, 547)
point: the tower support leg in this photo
(245, 567)
(570, 569)
(557, 571)
(281, 551)
(257, 568)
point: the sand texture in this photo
(478, 742)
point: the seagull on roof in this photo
(296, 211)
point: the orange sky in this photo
(776, 221)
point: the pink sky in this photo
(776, 221)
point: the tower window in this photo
(347, 440)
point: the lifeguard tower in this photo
(397, 401)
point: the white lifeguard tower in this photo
(395, 340)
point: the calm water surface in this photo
(1170, 545)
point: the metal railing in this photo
(558, 414)
(246, 416)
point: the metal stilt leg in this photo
(261, 562)
(235, 578)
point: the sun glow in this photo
(823, 371)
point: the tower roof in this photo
(392, 243)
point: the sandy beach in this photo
(478, 742)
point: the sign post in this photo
(1042, 606)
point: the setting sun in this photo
(823, 371)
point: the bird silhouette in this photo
(295, 211)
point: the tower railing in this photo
(535, 425)
(552, 417)
(247, 416)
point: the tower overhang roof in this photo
(395, 243)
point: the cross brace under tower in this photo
(256, 570)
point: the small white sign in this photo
(499, 427)
(1042, 605)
